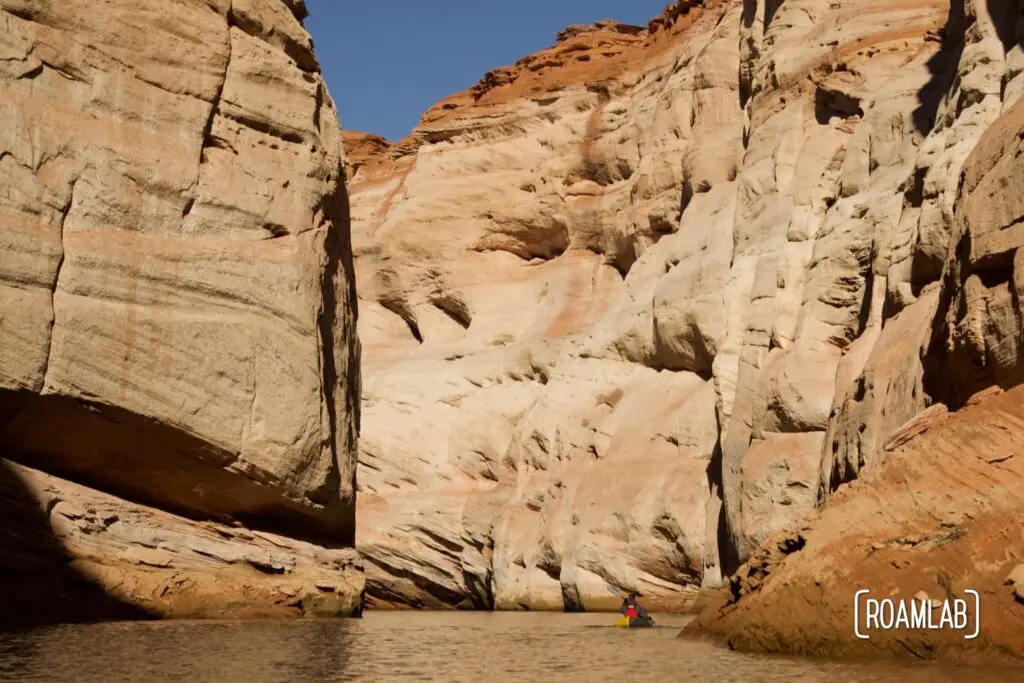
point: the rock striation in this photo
(943, 513)
(90, 555)
(177, 312)
(941, 517)
(635, 303)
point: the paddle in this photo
(615, 591)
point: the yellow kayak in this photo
(623, 622)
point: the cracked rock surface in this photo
(177, 323)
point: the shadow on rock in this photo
(1006, 17)
(942, 67)
(38, 583)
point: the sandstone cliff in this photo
(943, 515)
(177, 314)
(944, 512)
(633, 304)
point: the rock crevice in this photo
(63, 219)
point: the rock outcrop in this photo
(942, 516)
(71, 553)
(637, 302)
(944, 513)
(177, 312)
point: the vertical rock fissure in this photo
(728, 553)
(56, 281)
(215, 104)
(318, 108)
(328, 365)
(247, 430)
(337, 247)
(205, 140)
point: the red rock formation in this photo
(941, 516)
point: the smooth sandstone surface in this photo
(177, 313)
(634, 304)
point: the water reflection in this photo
(420, 646)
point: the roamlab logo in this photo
(888, 614)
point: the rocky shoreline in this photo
(81, 555)
(939, 518)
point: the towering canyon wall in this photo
(177, 312)
(637, 302)
(942, 514)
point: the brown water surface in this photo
(418, 646)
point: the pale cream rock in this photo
(1016, 576)
(654, 299)
(1016, 581)
(177, 313)
(175, 288)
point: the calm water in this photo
(419, 646)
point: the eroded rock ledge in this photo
(941, 516)
(72, 553)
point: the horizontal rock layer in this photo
(177, 315)
(75, 553)
(635, 303)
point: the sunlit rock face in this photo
(177, 316)
(940, 517)
(636, 302)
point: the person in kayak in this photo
(637, 615)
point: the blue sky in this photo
(388, 61)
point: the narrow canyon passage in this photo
(723, 308)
